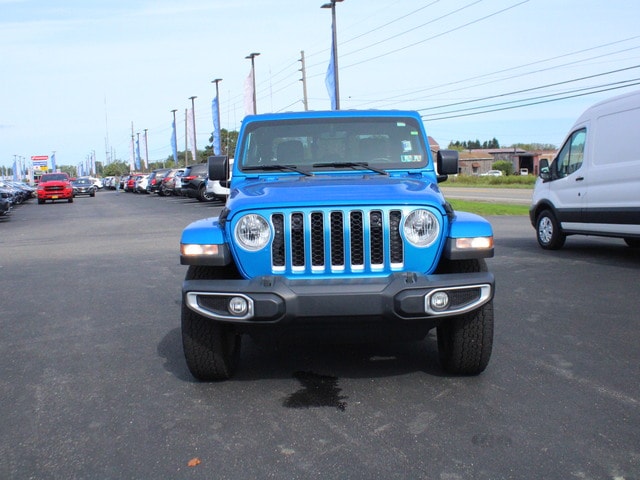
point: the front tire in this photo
(548, 231)
(632, 242)
(465, 342)
(211, 349)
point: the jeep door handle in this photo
(579, 179)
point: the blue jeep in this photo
(335, 221)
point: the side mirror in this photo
(447, 164)
(545, 173)
(218, 167)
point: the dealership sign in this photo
(40, 161)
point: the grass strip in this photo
(487, 209)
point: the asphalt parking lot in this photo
(95, 385)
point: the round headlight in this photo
(252, 232)
(421, 228)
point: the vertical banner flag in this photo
(132, 155)
(138, 153)
(174, 142)
(249, 107)
(53, 162)
(216, 125)
(330, 78)
(15, 170)
(93, 163)
(146, 149)
(191, 135)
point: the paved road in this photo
(94, 384)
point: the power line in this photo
(462, 81)
(636, 81)
(491, 97)
(437, 35)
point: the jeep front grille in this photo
(338, 241)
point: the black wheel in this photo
(92, 194)
(465, 342)
(632, 242)
(205, 196)
(40, 201)
(211, 349)
(71, 200)
(548, 231)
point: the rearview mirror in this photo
(218, 167)
(545, 173)
(447, 164)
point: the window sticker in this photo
(401, 124)
(410, 158)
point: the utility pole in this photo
(304, 81)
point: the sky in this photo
(78, 76)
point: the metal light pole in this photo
(334, 42)
(193, 112)
(252, 56)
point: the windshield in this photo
(328, 144)
(53, 177)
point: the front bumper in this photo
(61, 195)
(277, 300)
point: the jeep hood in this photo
(327, 190)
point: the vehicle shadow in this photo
(596, 251)
(262, 360)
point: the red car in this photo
(55, 186)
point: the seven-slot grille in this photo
(354, 240)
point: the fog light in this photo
(238, 306)
(439, 300)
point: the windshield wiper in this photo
(280, 168)
(364, 165)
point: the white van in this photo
(593, 186)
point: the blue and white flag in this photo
(53, 162)
(215, 110)
(138, 154)
(15, 170)
(174, 142)
(330, 78)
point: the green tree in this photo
(534, 146)
(228, 140)
(505, 166)
(473, 144)
(68, 169)
(116, 168)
